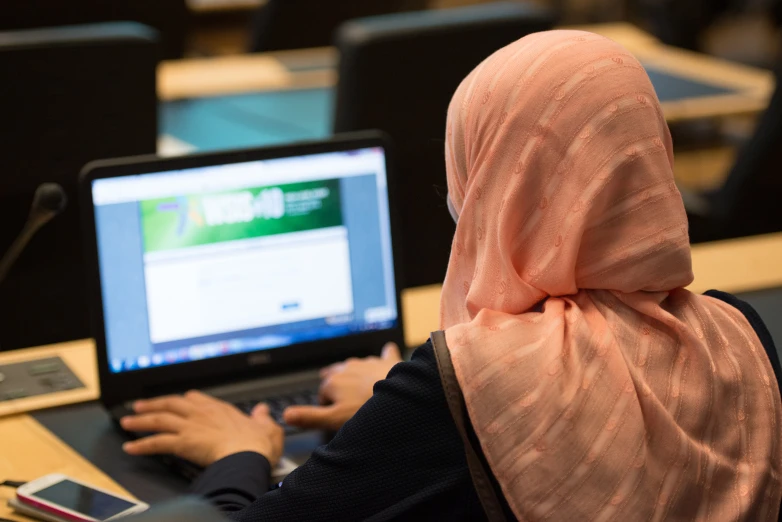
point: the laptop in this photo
(239, 273)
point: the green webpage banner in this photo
(185, 221)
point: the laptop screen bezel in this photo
(117, 388)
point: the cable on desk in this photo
(12, 484)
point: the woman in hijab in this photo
(596, 386)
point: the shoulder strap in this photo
(453, 394)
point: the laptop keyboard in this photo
(278, 403)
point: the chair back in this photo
(75, 94)
(170, 18)
(298, 24)
(748, 203)
(397, 73)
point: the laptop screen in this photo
(236, 258)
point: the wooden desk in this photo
(218, 6)
(754, 86)
(312, 68)
(738, 265)
(31, 451)
(78, 355)
(284, 70)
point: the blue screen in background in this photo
(243, 257)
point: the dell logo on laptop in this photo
(257, 359)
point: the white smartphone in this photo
(75, 501)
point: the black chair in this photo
(680, 23)
(170, 18)
(298, 24)
(397, 73)
(70, 95)
(748, 203)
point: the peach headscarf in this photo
(622, 396)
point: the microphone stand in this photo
(49, 200)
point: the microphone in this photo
(48, 201)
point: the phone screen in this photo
(90, 502)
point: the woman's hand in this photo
(345, 387)
(202, 429)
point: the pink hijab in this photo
(598, 387)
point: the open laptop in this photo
(239, 273)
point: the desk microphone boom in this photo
(48, 201)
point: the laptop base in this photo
(279, 392)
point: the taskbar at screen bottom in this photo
(234, 346)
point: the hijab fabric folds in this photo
(598, 387)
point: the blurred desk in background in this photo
(693, 85)
(260, 72)
(703, 169)
(272, 98)
(689, 85)
(739, 266)
(212, 6)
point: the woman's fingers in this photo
(327, 389)
(164, 443)
(328, 371)
(153, 422)
(196, 396)
(171, 403)
(261, 411)
(314, 417)
(391, 353)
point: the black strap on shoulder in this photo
(453, 394)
